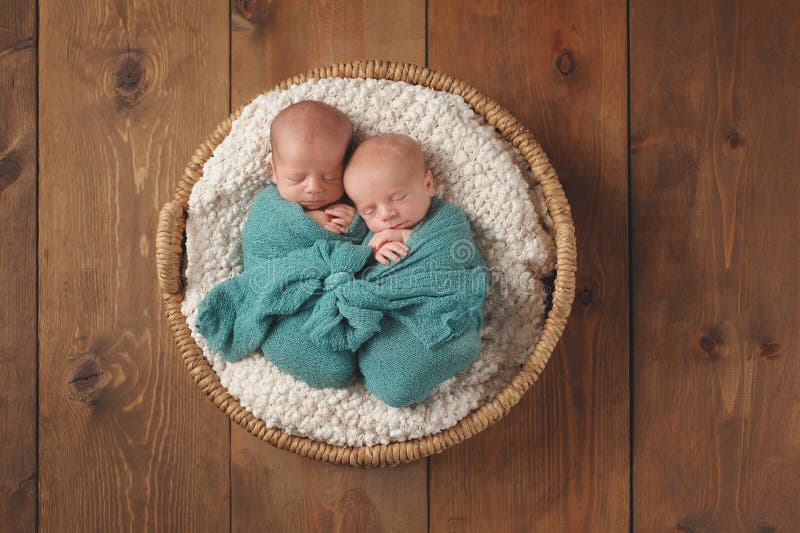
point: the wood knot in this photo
(9, 172)
(129, 77)
(28, 485)
(715, 341)
(707, 344)
(711, 345)
(25, 44)
(770, 350)
(86, 381)
(734, 141)
(585, 296)
(255, 11)
(565, 63)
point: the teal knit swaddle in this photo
(229, 317)
(320, 311)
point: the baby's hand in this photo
(341, 214)
(388, 235)
(391, 250)
(326, 221)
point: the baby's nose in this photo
(388, 213)
(313, 184)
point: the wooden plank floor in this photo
(714, 153)
(671, 404)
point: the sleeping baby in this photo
(310, 141)
(419, 345)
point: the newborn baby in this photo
(394, 193)
(310, 141)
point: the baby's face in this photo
(309, 174)
(390, 194)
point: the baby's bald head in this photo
(399, 151)
(308, 122)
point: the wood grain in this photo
(273, 489)
(272, 40)
(715, 157)
(278, 491)
(18, 466)
(127, 440)
(559, 461)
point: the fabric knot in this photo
(338, 278)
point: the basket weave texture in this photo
(171, 261)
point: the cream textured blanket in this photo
(475, 168)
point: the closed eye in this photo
(401, 197)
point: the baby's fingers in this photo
(390, 254)
(334, 228)
(398, 247)
(341, 210)
(393, 251)
(376, 241)
(342, 222)
(381, 259)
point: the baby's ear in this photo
(271, 168)
(430, 185)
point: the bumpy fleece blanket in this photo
(230, 317)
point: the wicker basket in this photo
(171, 259)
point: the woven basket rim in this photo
(171, 259)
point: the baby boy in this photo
(310, 141)
(418, 346)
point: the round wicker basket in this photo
(171, 260)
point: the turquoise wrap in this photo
(324, 311)
(231, 316)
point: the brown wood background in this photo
(671, 404)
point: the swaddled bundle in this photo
(229, 316)
(416, 322)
